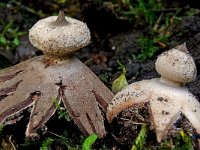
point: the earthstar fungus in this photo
(167, 95)
(55, 75)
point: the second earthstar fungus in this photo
(167, 97)
(35, 83)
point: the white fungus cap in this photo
(176, 65)
(59, 36)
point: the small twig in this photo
(67, 143)
(132, 122)
(168, 9)
(155, 28)
(39, 13)
(55, 134)
(137, 122)
(114, 136)
(10, 141)
(173, 9)
(88, 61)
(125, 119)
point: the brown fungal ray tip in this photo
(10, 76)
(60, 21)
(84, 107)
(182, 47)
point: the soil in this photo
(114, 39)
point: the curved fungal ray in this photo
(35, 83)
